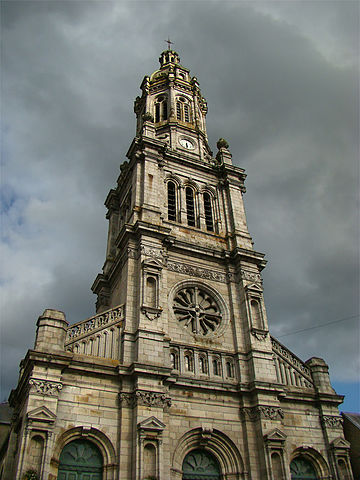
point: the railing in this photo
(98, 335)
(290, 370)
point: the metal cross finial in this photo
(169, 42)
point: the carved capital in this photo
(45, 387)
(251, 276)
(332, 421)
(263, 411)
(145, 398)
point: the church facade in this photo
(176, 377)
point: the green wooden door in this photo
(80, 460)
(200, 465)
(302, 469)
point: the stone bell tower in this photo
(179, 255)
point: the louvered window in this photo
(161, 110)
(186, 113)
(171, 201)
(178, 111)
(190, 207)
(208, 213)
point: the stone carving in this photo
(146, 398)
(128, 399)
(152, 252)
(152, 399)
(259, 334)
(111, 316)
(332, 421)
(263, 411)
(251, 276)
(151, 313)
(294, 361)
(45, 387)
(198, 272)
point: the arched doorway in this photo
(200, 465)
(302, 469)
(80, 460)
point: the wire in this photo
(318, 326)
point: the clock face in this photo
(186, 144)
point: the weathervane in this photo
(169, 42)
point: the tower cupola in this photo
(172, 108)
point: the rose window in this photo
(197, 311)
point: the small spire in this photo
(169, 42)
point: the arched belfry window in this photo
(208, 213)
(161, 109)
(190, 206)
(183, 110)
(171, 190)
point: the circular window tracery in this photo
(197, 310)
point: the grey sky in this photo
(280, 79)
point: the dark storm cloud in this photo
(280, 81)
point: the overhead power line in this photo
(318, 326)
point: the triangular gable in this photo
(340, 443)
(253, 287)
(151, 423)
(275, 435)
(41, 414)
(152, 263)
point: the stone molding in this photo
(146, 398)
(259, 334)
(332, 421)
(263, 411)
(45, 387)
(198, 272)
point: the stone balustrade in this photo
(98, 335)
(290, 370)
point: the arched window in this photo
(151, 294)
(216, 366)
(188, 362)
(200, 464)
(183, 110)
(171, 201)
(208, 213)
(256, 314)
(276, 466)
(302, 469)
(149, 461)
(229, 369)
(174, 359)
(190, 206)
(202, 365)
(80, 459)
(161, 109)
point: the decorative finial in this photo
(169, 42)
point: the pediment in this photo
(275, 435)
(151, 423)
(253, 288)
(41, 414)
(152, 263)
(340, 443)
